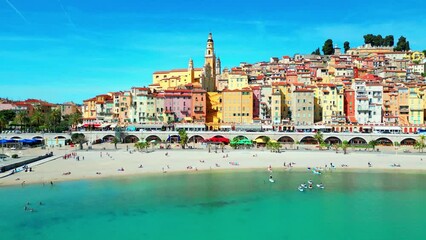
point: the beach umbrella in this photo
(244, 142)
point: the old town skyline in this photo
(80, 46)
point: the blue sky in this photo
(70, 50)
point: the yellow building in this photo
(237, 81)
(177, 77)
(285, 92)
(89, 109)
(328, 103)
(415, 101)
(237, 106)
(214, 110)
(416, 56)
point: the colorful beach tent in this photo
(244, 142)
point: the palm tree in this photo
(183, 137)
(115, 141)
(373, 144)
(336, 147)
(320, 139)
(75, 119)
(78, 138)
(420, 143)
(344, 146)
(3, 122)
(21, 118)
(54, 118)
(37, 118)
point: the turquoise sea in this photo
(220, 205)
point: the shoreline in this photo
(107, 162)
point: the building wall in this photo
(303, 107)
(237, 81)
(237, 106)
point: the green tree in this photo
(388, 41)
(424, 52)
(344, 146)
(320, 138)
(3, 123)
(336, 147)
(378, 40)
(115, 140)
(22, 119)
(372, 144)
(141, 145)
(8, 115)
(328, 48)
(346, 46)
(75, 119)
(266, 139)
(78, 138)
(37, 118)
(402, 45)
(316, 52)
(183, 137)
(55, 118)
(420, 143)
(368, 38)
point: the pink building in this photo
(178, 104)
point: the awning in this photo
(225, 127)
(267, 127)
(114, 125)
(259, 140)
(91, 125)
(104, 125)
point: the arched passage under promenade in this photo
(173, 139)
(308, 140)
(286, 140)
(384, 141)
(131, 139)
(240, 137)
(195, 139)
(38, 138)
(333, 140)
(108, 138)
(357, 141)
(408, 142)
(153, 138)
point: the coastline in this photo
(191, 161)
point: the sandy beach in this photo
(105, 161)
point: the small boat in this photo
(301, 189)
(310, 182)
(320, 186)
(316, 172)
(271, 179)
(303, 186)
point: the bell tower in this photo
(191, 70)
(209, 77)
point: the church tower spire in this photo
(209, 66)
(191, 70)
